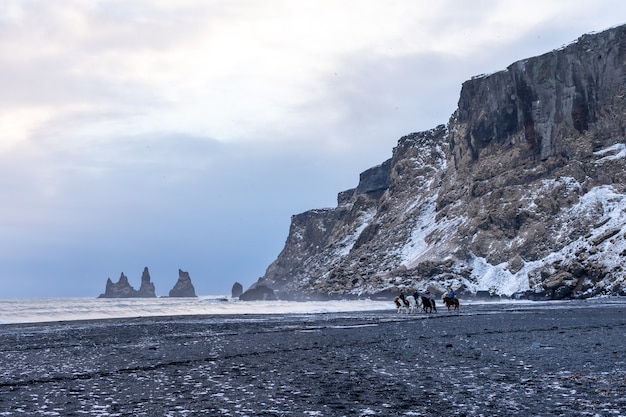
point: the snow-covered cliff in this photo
(522, 193)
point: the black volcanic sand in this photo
(488, 360)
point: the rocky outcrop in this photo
(258, 293)
(521, 193)
(119, 289)
(146, 290)
(375, 179)
(237, 290)
(123, 289)
(183, 287)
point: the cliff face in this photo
(523, 191)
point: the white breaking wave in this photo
(66, 309)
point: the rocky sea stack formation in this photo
(522, 193)
(147, 287)
(183, 287)
(123, 289)
(237, 290)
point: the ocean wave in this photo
(14, 311)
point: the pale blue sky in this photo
(184, 134)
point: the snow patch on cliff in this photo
(617, 151)
(601, 204)
(424, 225)
(427, 234)
(497, 278)
(346, 244)
(610, 208)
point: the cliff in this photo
(521, 193)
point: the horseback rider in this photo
(451, 294)
(450, 300)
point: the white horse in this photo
(412, 303)
(401, 305)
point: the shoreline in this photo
(84, 309)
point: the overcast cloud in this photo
(184, 134)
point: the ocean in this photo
(37, 310)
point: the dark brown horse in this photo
(428, 305)
(451, 302)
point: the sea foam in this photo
(66, 309)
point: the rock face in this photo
(522, 193)
(119, 289)
(258, 293)
(183, 287)
(237, 290)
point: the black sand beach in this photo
(486, 360)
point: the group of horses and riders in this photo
(412, 304)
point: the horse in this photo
(401, 305)
(428, 304)
(412, 303)
(451, 302)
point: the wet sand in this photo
(486, 360)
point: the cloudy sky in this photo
(185, 134)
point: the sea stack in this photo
(147, 287)
(119, 289)
(237, 290)
(183, 287)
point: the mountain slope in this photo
(521, 193)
